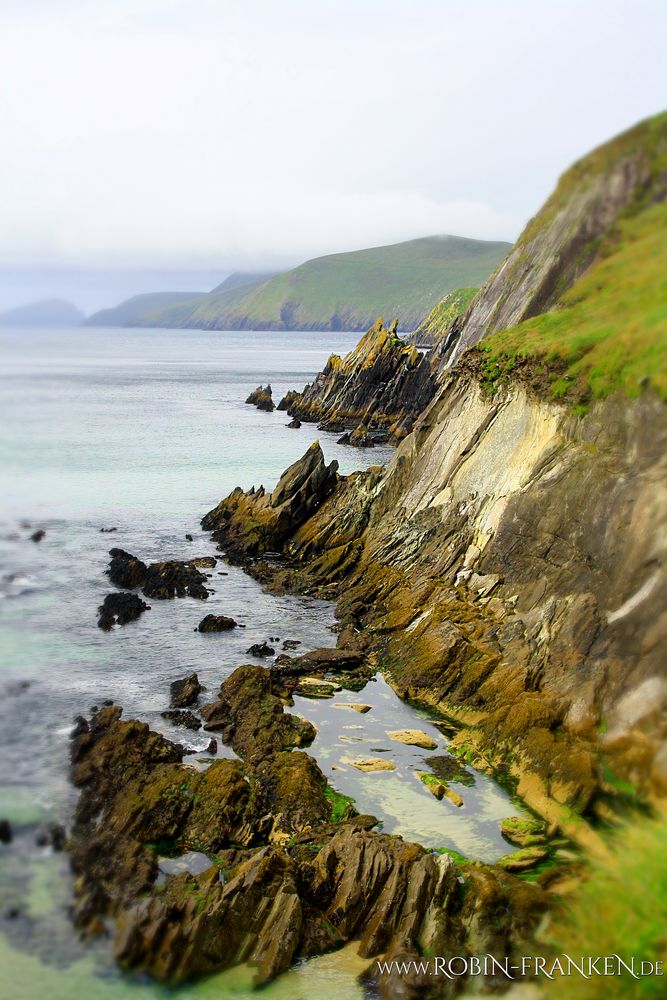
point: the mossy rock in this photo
(523, 831)
(523, 859)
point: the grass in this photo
(610, 332)
(621, 909)
(443, 315)
(340, 804)
(346, 291)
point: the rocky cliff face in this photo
(509, 565)
(560, 243)
(383, 384)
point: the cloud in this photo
(182, 133)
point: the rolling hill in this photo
(344, 291)
(129, 312)
(47, 312)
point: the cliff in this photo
(432, 329)
(508, 567)
(383, 384)
(345, 291)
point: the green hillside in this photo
(441, 317)
(240, 278)
(129, 312)
(346, 291)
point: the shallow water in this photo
(144, 431)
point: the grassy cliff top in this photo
(443, 315)
(348, 290)
(609, 332)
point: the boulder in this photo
(119, 609)
(185, 691)
(182, 717)
(216, 623)
(261, 649)
(125, 570)
(413, 738)
(294, 424)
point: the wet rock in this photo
(523, 831)
(332, 426)
(290, 397)
(314, 687)
(360, 438)
(216, 623)
(369, 764)
(119, 609)
(291, 643)
(249, 524)
(413, 738)
(294, 424)
(319, 661)
(54, 836)
(251, 718)
(185, 691)
(523, 860)
(182, 717)
(449, 768)
(108, 531)
(6, 835)
(261, 397)
(188, 538)
(38, 535)
(354, 706)
(212, 746)
(169, 579)
(125, 570)
(261, 649)
(344, 438)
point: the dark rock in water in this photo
(119, 609)
(249, 524)
(216, 623)
(161, 580)
(182, 717)
(450, 769)
(319, 661)
(125, 570)
(344, 439)
(6, 835)
(261, 649)
(291, 643)
(107, 531)
(188, 538)
(290, 397)
(360, 438)
(212, 745)
(251, 718)
(165, 580)
(55, 836)
(184, 692)
(294, 424)
(262, 398)
(38, 535)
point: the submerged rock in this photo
(413, 738)
(369, 764)
(261, 649)
(119, 609)
(182, 717)
(38, 535)
(261, 397)
(294, 424)
(185, 691)
(216, 623)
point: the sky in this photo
(193, 137)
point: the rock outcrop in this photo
(262, 398)
(382, 385)
(253, 523)
(119, 609)
(284, 882)
(161, 580)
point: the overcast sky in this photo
(216, 134)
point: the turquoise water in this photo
(144, 431)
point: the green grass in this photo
(131, 311)
(347, 291)
(443, 315)
(340, 804)
(621, 909)
(609, 333)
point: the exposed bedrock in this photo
(509, 568)
(284, 880)
(253, 523)
(160, 580)
(382, 385)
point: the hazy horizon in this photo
(172, 138)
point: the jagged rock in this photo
(294, 424)
(125, 570)
(216, 623)
(261, 649)
(249, 524)
(119, 609)
(250, 717)
(295, 884)
(212, 746)
(383, 382)
(185, 691)
(360, 438)
(261, 397)
(413, 738)
(290, 396)
(182, 717)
